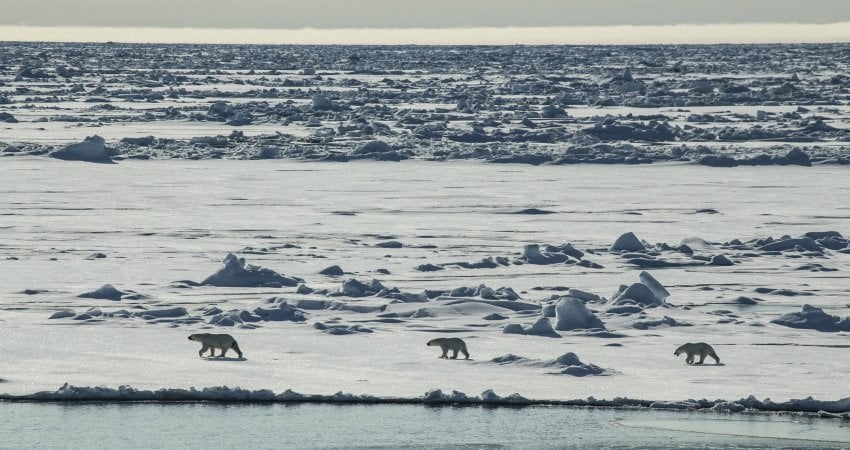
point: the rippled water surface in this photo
(196, 425)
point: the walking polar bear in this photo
(700, 348)
(454, 344)
(213, 341)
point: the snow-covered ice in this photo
(170, 220)
(590, 212)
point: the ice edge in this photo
(69, 393)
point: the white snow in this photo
(161, 221)
(91, 149)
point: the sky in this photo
(416, 21)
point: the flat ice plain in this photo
(380, 161)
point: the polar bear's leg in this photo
(714, 355)
(690, 358)
(701, 358)
(223, 351)
(445, 354)
(203, 349)
(454, 353)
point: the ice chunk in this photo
(543, 327)
(571, 314)
(627, 242)
(237, 273)
(332, 271)
(657, 289)
(373, 147)
(62, 314)
(813, 318)
(92, 149)
(105, 292)
(531, 254)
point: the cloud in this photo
(666, 34)
(296, 14)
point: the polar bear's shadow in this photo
(707, 365)
(223, 359)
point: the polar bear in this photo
(700, 348)
(214, 341)
(454, 344)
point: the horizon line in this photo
(674, 34)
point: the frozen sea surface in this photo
(70, 228)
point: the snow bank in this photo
(91, 149)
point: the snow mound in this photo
(234, 317)
(649, 292)
(91, 149)
(109, 292)
(341, 329)
(62, 314)
(355, 288)
(485, 263)
(494, 316)
(542, 327)
(373, 147)
(720, 260)
(443, 308)
(627, 242)
(566, 364)
(791, 244)
(532, 254)
(237, 273)
(488, 396)
(570, 364)
(485, 292)
(428, 267)
(149, 314)
(278, 311)
(665, 321)
(97, 315)
(332, 271)
(571, 314)
(813, 318)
